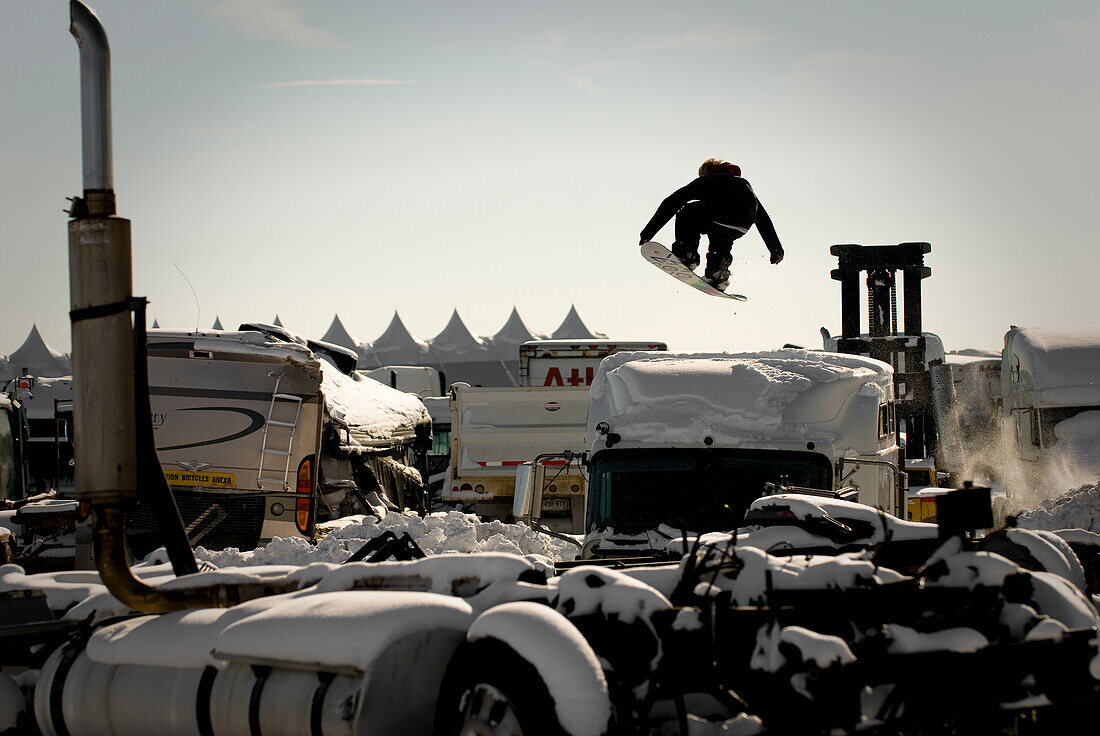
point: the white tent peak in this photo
(398, 337)
(277, 323)
(38, 357)
(573, 326)
(217, 323)
(514, 331)
(338, 334)
(456, 337)
(156, 326)
(34, 348)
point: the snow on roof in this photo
(337, 334)
(725, 395)
(374, 414)
(574, 326)
(244, 342)
(1063, 362)
(457, 341)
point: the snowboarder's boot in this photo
(717, 272)
(687, 256)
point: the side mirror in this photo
(527, 502)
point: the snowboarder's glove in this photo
(777, 256)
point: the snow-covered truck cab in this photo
(1050, 400)
(689, 441)
(261, 437)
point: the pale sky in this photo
(312, 158)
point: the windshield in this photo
(698, 490)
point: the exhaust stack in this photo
(100, 285)
(95, 103)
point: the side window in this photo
(885, 419)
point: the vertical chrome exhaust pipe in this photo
(95, 97)
(100, 285)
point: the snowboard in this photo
(662, 258)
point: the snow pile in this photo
(438, 533)
(732, 394)
(1078, 508)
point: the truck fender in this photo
(532, 659)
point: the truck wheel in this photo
(490, 690)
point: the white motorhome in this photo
(1050, 398)
(261, 437)
(689, 441)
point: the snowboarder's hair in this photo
(712, 165)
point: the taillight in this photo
(553, 488)
(575, 488)
(304, 506)
(466, 487)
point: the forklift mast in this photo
(905, 351)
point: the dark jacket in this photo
(729, 201)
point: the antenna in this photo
(193, 293)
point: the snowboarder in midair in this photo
(721, 205)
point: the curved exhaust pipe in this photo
(95, 97)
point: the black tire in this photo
(490, 690)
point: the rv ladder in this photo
(278, 401)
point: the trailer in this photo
(494, 430)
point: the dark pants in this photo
(693, 221)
